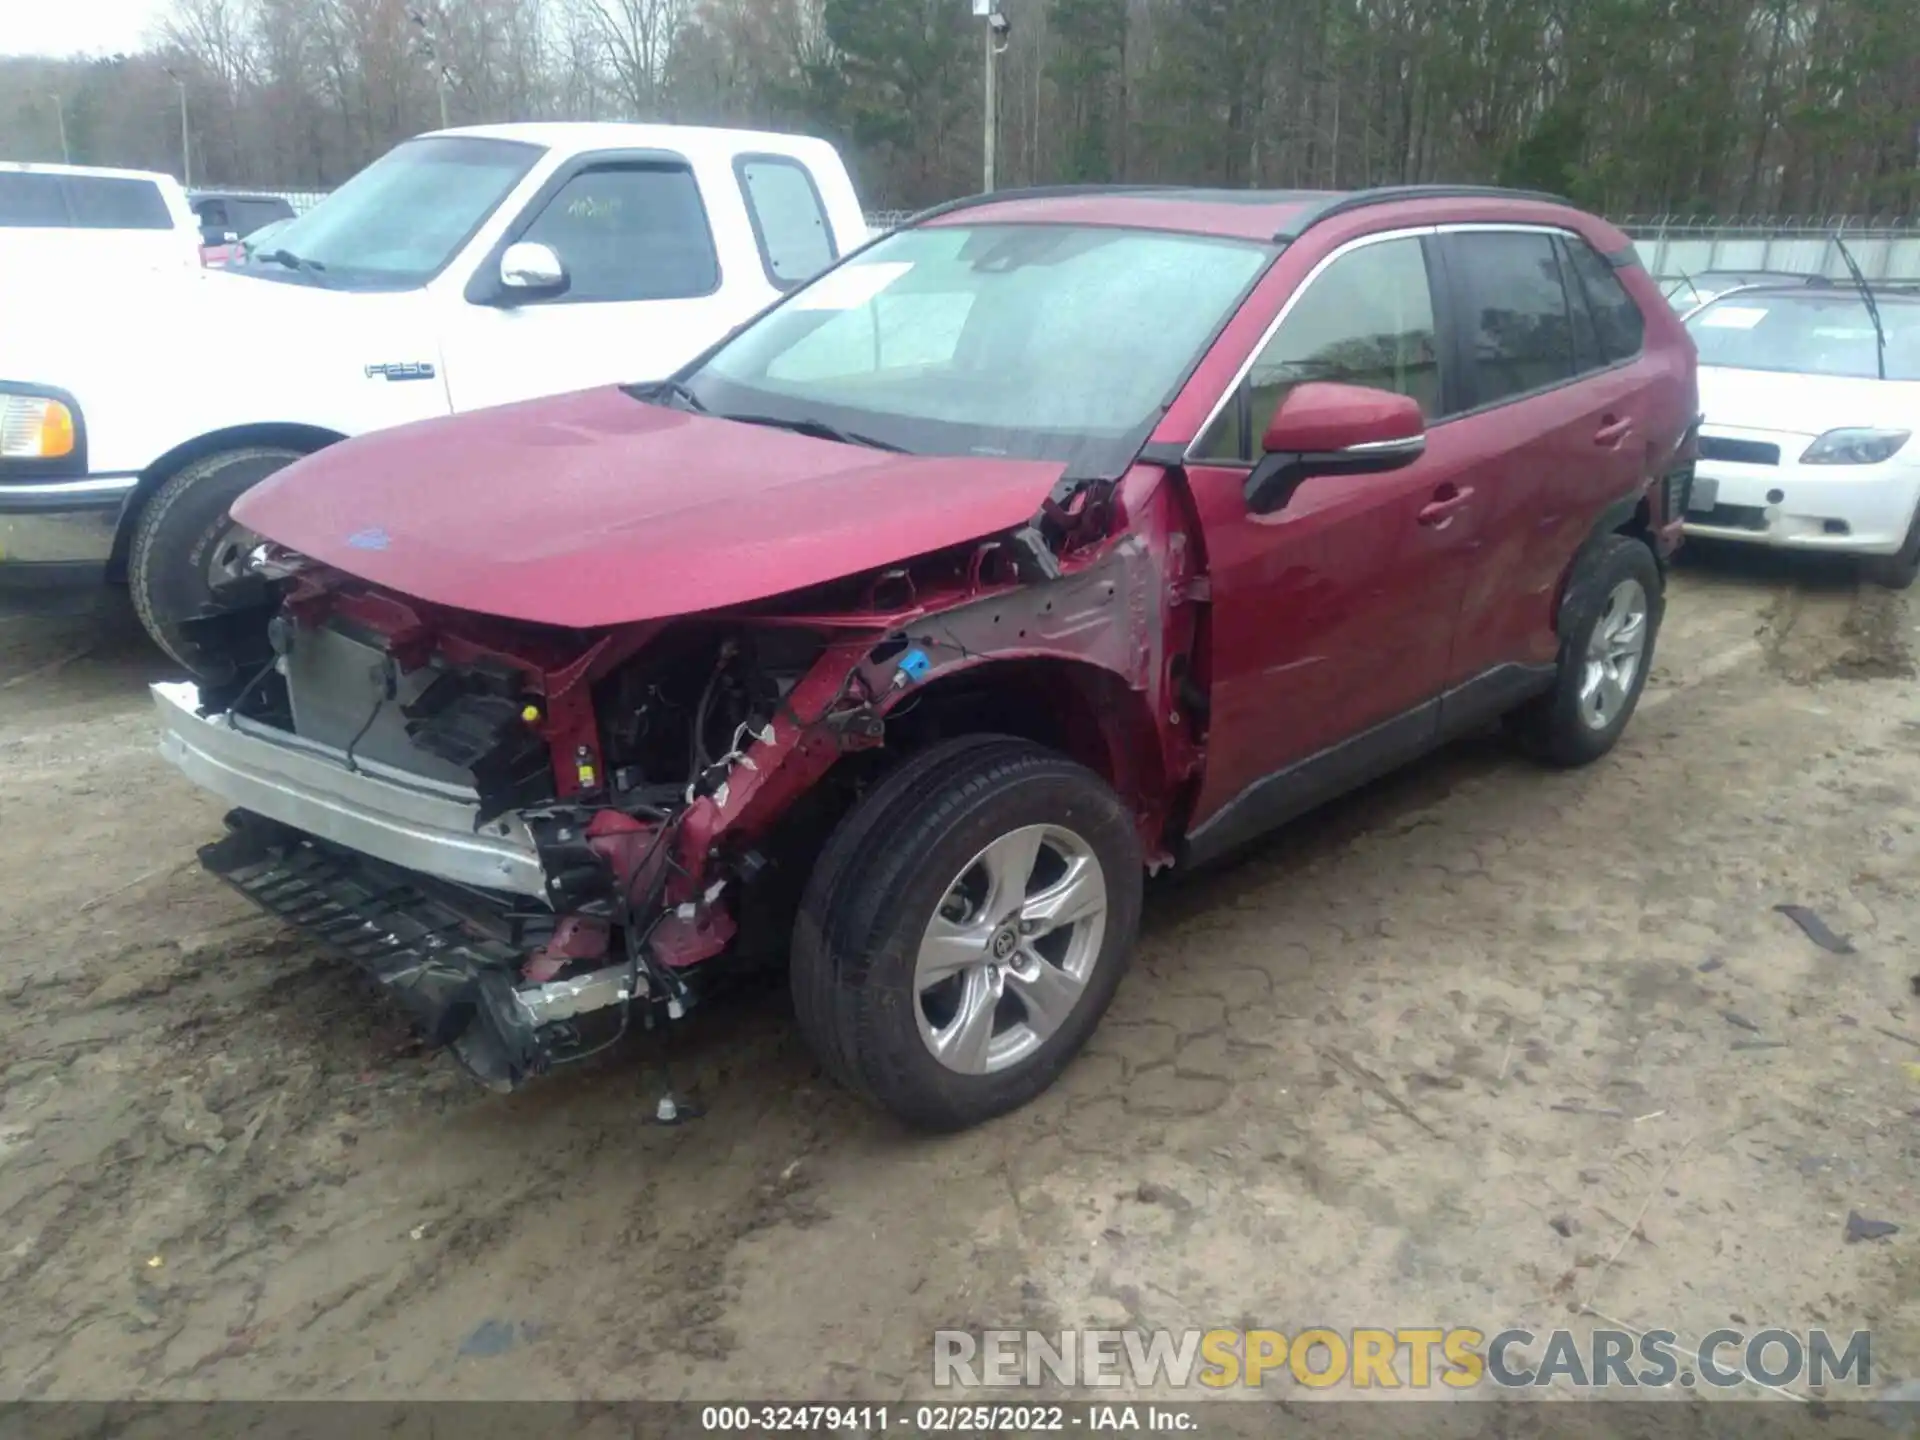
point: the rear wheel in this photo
(1899, 570)
(1608, 623)
(188, 560)
(965, 928)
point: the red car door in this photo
(1331, 619)
(1558, 424)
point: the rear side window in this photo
(100, 202)
(1518, 334)
(86, 202)
(789, 220)
(630, 232)
(1622, 328)
(31, 201)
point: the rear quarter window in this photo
(789, 218)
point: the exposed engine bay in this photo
(538, 838)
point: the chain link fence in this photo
(1673, 248)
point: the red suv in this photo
(1054, 539)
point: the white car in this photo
(65, 218)
(464, 268)
(1810, 409)
(1688, 293)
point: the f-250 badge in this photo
(402, 370)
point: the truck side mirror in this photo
(530, 271)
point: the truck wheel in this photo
(965, 928)
(1899, 570)
(1608, 623)
(188, 560)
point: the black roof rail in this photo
(1147, 191)
(1331, 202)
(1387, 194)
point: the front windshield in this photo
(398, 222)
(1045, 342)
(1828, 333)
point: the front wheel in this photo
(965, 928)
(1608, 623)
(1899, 570)
(188, 560)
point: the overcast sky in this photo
(63, 27)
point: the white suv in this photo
(62, 218)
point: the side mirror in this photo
(529, 270)
(1322, 428)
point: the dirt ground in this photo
(1368, 1075)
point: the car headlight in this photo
(35, 427)
(1855, 447)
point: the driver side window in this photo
(1367, 319)
(630, 232)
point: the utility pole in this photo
(998, 30)
(60, 118)
(993, 118)
(186, 148)
(431, 46)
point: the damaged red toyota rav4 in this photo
(1054, 539)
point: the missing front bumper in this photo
(412, 821)
(447, 957)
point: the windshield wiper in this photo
(1873, 309)
(293, 262)
(819, 430)
(669, 390)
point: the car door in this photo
(643, 296)
(1553, 423)
(1331, 619)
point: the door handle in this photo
(1438, 511)
(1613, 430)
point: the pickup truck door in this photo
(663, 256)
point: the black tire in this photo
(1899, 570)
(174, 544)
(874, 890)
(1553, 728)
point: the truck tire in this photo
(1609, 621)
(965, 928)
(186, 559)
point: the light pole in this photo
(998, 29)
(186, 148)
(60, 118)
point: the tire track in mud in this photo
(1820, 629)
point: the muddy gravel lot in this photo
(1483, 1045)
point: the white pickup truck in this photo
(464, 268)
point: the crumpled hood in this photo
(595, 509)
(1804, 404)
